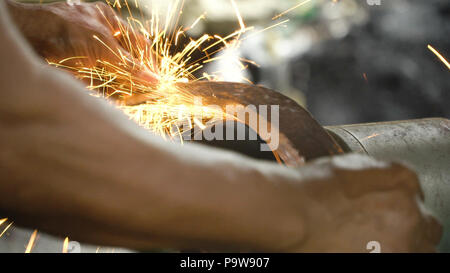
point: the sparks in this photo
(371, 136)
(2, 221)
(365, 77)
(6, 229)
(166, 107)
(238, 14)
(31, 242)
(439, 56)
(65, 245)
(291, 9)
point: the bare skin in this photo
(58, 31)
(72, 164)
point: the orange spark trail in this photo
(439, 56)
(65, 245)
(6, 229)
(365, 77)
(2, 221)
(31, 242)
(238, 14)
(291, 9)
(201, 17)
(371, 136)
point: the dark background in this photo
(404, 79)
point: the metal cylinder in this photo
(423, 145)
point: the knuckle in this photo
(404, 170)
(408, 208)
(352, 162)
(407, 178)
(434, 229)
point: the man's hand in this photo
(60, 30)
(365, 203)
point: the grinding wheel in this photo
(301, 137)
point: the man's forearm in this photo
(141, 197)
(228, 203)
(139, 194)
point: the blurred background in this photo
(346, 61)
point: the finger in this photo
(408, 179)
(105, 48)
(135, 43)
(123, 59)
(110, 18)
(428, 233)
(356, 183)
(433, 229)
(147, 76)
(138, 45)
(143, 72)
